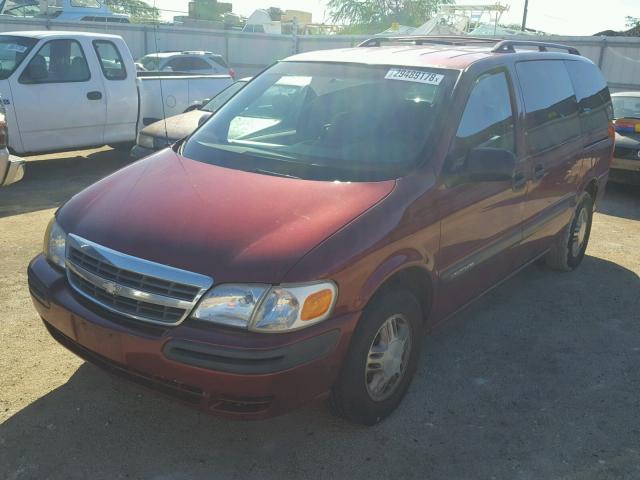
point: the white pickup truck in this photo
(64, 90)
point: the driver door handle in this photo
(95, 95)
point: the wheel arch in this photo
(414, 277)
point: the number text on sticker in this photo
(419, 76)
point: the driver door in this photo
(58, 103)
(481, 226)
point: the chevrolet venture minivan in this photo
(297, 245)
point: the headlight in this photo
(145, 141)
(55, 244)
(263, 308)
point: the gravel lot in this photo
(538, 380)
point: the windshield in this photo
(325, 121)
(150, 62)
(13, 50)
(626, 107)
(216, 102)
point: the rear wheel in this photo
(570, 246)
(382, 359)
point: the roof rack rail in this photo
(508, 46)
(426, 39)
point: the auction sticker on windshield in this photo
(419, 76)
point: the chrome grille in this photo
(131, 286)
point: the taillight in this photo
(232, 73)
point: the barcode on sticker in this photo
(419, 76)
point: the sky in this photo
(562, 17)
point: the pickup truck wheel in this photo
(382, 359)
(568, 249)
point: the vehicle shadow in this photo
(538, 379)
(51, 181)
(622, 201)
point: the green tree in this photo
(139, 11)
(275, 13)
(632, 21)
(369, 16)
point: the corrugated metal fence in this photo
(248, 53)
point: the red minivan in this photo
(298, 244)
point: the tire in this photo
(565, 255)
(355, 395)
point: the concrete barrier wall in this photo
(248, 53)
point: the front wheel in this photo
(570, 246)
(382, 359)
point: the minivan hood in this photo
(176, 127)
(233, 225)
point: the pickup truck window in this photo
(13, 50)
(57, 61)
(110, 60)
(487, 120)
(326, 121)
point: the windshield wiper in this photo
(275, 174)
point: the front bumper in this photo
(15, 171)
(222, 371)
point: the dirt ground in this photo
(538, 380)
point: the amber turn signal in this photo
(316, 304)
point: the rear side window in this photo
(185, 64)
(219, 60)
(110, 60)
(592, 94)
(58, 61)
(550, 103)
(487, 120)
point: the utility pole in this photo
(524, 15)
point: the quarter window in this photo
(487, 120)
(110, 60)
(58, 61)
(594, 101)
(550, 103)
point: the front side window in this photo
(110, 60)
(550, 103)
(13, 50)
(326, 121)
(58, 61)
(487, 120)
(151, 63)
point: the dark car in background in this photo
(625, 167)
(163, 133)
(298, 244)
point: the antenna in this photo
(164, 114)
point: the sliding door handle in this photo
(519, 181)
(95, 95)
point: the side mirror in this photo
(489, 165)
